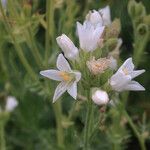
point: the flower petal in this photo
(89, 36)
(105, 12)
(72, 90)
(62, 63)
(78, 75)
(136, 73)
(128, 64)
(51, 74)
(134, 86)
(119, 81)
(60, 89)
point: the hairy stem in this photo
(50, 28)
(87, 124)
(2, 137)
(17, 47)
(139, 137)
(58, 116)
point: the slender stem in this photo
(58, 116)
(139, 137)
(87, 124)
(50, 28)
(18, 48)
(2, 137)
(34, 49)
(72, 111)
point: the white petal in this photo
(51, 74)
(4, 3)
(78, 75)
(11, 103)
(62, 63)
(67, 46)
(113, 63)
(136, 73)
(60, 89)
(72, 90)
(89, 36)
(134, 86)
(94, 18)
(119, 81)
(128, 64)
(105, 13)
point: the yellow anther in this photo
(65, 76)
(125, 70)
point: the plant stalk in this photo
(139, 137)
(58, 116)
(2, 136)
(87, 124)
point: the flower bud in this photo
(100, 97)
(136, 10)
(146, 20)
(113, 30)
(11, 103)
(70, 51)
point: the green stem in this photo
(2, 137)
(18, 48)
(139, 137)
(34, 49)
(50, 28)
(87, 124)
(72, 111)
(58, 116)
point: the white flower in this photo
(95, 18)
(11, 103)
(122, 79)
(70, 51)
(106, 17)
(89, 36)
(4, 3)
(68, 78)
(100, 97)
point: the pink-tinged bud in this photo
(100, 97)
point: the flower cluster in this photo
(94, 62)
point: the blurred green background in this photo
(32, 125)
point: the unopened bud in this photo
(113, 30)
(146, 20)
(11, 103)
(70, 51)
(100, 97)
(136, 10)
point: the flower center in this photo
(65, 76)
(125, 71)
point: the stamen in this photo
(125, 71)
(65, 76)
